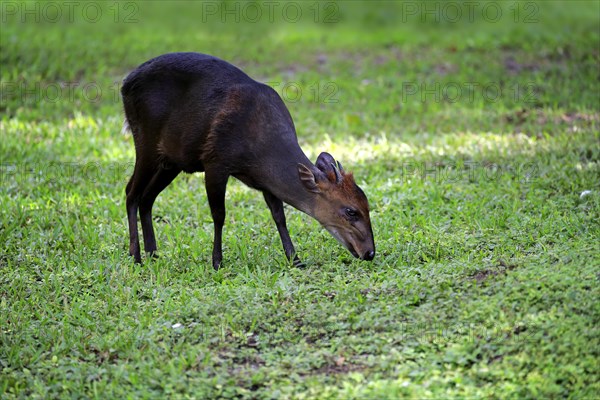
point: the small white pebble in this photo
(176, 326)
(585, 193)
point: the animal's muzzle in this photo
(369, 255)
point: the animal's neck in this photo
(285, 182)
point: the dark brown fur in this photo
(193, 112)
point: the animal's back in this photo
(173, 101)
(182, 68)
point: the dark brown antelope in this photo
(193, 112)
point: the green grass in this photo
(486, 278)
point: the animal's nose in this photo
(369, 255)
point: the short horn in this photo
(338, 174)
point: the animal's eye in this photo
(351, 213)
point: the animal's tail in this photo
(126, 128)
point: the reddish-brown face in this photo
(341, 206)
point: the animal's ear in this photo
(324, 162)
(308, 178)
(328, 164)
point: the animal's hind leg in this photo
(161, 179)
(136, 186)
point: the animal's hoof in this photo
(136, 258)
(298, 263)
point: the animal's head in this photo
(341, 206)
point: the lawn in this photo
(472, 127)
